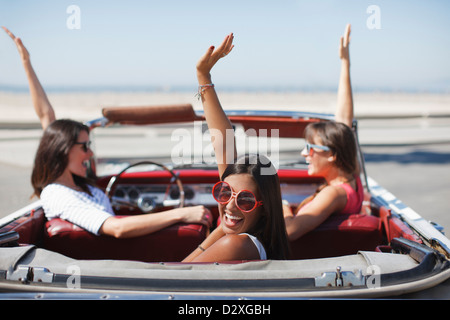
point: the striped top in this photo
(87, 212)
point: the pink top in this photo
(354, 197)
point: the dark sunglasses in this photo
(245, 200)
(85, 145)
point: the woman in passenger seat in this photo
(252, 225)
(59, 175)
(330, 152)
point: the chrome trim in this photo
(19, 213)
(277, 113)
(412, 218)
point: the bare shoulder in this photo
(234, 240)
(237, 247)
(333, 198)
(332, 192)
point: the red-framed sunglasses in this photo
(245, 200)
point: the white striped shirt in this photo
(88, 212)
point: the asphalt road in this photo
(416, 171)
(418, 175)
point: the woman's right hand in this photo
(344, 53)
(210, 58)
(196, 214)
(22, 50)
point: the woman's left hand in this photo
(212, 55)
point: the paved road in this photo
(400, 158)
(418, 175)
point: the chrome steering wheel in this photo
(146, 206)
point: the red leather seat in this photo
(28, 227)
(171, 244)
(339, 235)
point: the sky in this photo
(396, 45)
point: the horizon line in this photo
(189, 88)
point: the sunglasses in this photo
(85, 145)
(310, 147)
(245, 200)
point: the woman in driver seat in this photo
(59, 175)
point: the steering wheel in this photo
(146, 205)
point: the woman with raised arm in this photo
(41, 104)
(59, 175)
(331, 152)
(249, 197)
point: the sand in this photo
(81, 106)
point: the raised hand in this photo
(212, 55)
(345, 43)
(22, 50)
(218, 122)
(344, 110)
(41, 104)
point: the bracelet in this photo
(202, 88)
(201, 248)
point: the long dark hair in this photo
(339, 138)
(270, 229)
(342, 143)
(52, 155)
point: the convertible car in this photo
(152, 158)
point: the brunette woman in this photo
(249, 197)
(59, 175)
(331, 152)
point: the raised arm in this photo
(218, 123)
(344, 110)
(41, 104)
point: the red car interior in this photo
(338, 235)
(171, 244)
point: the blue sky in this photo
(279, 44)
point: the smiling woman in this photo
(60, 175)
(62, 157)
(331, 153)
(261, 214)
(60, 178)
(252, 225)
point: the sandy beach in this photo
(17, 107)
